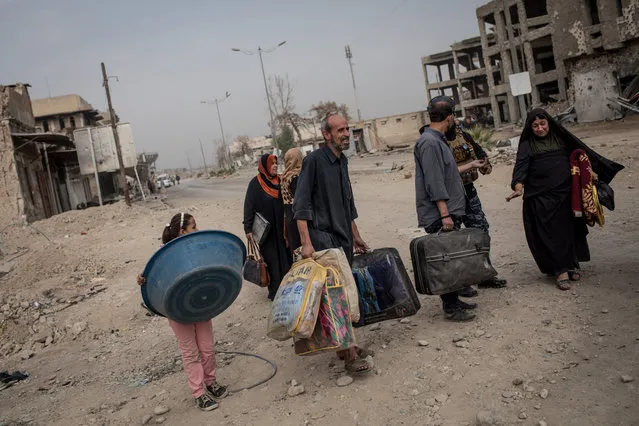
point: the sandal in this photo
(359, 365)
(361, 353)
(564, 285)
(574, 275)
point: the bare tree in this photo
(223, 156)
(322, 109)
(281, 91)
(244, 140)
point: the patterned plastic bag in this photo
(333, 330)
(297, 302)
(336, 258)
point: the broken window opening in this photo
(593, 10)
(398, 120)
(491, 29)
(72, 122)
(543, 55)
(535, 8)
(548, 92)
(619, 8)
(45, 125)
(61, 123)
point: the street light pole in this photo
(268, 96)
(217, 103)
(349, 57)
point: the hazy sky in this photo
(170, 55)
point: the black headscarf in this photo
(605, 169)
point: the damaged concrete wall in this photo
(629, 21)
(21, 168)
(595, 78)
(11, 201)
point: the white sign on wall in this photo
(520, 84)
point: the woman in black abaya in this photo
(557, 239)
(263, 196)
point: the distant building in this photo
(585, 52)
(383, 132)
(63, 114)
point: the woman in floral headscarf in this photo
(263, 197)
(293, 165)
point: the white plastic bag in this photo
(296, 305)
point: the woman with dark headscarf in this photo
(556, 238)
(293, 165)
(263, 196)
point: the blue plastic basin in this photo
(195, 277)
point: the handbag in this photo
(606, 194)
(261, 228)
(255, 270)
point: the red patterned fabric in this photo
(583, 196)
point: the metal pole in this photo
(95, 166)
(268, 97)
(114, 127)
(137, 176)
(206, 169)
(349, 56)
(51, 187)
(219, 117)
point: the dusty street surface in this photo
(534, 353)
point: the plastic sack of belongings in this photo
(297, 302)
(334, 329)
(336, 259)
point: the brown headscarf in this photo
(269, 183)
(293, 165)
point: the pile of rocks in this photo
(38, 317)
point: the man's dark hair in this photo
(440, 108)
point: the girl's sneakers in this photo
(217, 390)
(206, 403)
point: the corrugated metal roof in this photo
(66, 104)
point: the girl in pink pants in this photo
(195, 340)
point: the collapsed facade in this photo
(31, 184)
(41, 163)
(584, 52)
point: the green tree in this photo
(286, 139)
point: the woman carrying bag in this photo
(264, 203)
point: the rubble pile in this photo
(29, 326)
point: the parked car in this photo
(163, 181)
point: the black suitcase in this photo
(450, 261)
(395, 295)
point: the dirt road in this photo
(94, 357)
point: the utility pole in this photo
(268, 95)
(217, 103)
(188, 160)
(349, 57)
(116, 137)
(206, 169)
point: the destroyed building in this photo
(583, 52)
(31, 186)
(63, 114)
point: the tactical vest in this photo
(464, 153)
